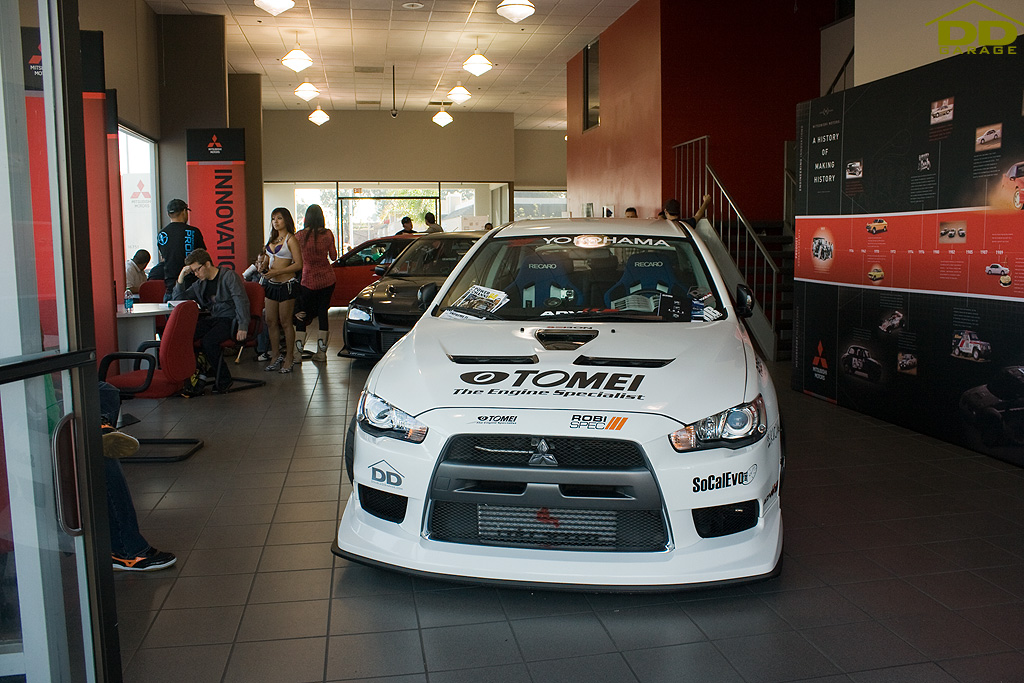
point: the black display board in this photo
(909, 301)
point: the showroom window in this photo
(140, 212)
(591, 87)
(539, 204)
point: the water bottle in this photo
(129, 301)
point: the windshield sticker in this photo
(592, 241)
(476, 298)
(617, 385)
(614, 423)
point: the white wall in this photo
(892, 36)
(836, 43)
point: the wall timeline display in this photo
(909, 296)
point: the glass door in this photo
(56, 585)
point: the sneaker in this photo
(149, 561)
(118, 444)
(263, 357)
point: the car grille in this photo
(397, 319)
(552, 528)
(389, 339)
(598, 495)
(514, 449)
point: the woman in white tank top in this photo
(282, 261)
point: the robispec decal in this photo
(724, 480)
(771, 494)
(622, 385)
(496, 419)
(614, 423)
(381, 472)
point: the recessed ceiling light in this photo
(412, 5)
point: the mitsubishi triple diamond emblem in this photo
(542, 456)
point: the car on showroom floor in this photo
(579, 407)
(385, 310)
(354, 269)
(996, 408)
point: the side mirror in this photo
(379, 270)
(426, 294)
(744, 301)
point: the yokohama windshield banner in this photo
(216, 192)
(909, 250)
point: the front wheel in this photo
(350, 451)
(975, 354)
(1018, 200)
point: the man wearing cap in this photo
(176, 241)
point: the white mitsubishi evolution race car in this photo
(580, 406)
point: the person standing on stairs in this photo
(318, 281)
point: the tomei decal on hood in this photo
(708, 372)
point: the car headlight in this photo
(359, 313)
(739, 426)
(380, 418)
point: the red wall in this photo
(736, 71)
(618, 163)
(672, 71)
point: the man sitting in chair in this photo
(219, 291)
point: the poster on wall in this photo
(215, 159)
(909, 250)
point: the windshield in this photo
(431, 256)
(591, 277)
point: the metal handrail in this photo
(750, 261)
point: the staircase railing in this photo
(739, 252)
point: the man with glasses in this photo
(220, 292)
(176, 241)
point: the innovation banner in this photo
(215, 158)
(909, 250)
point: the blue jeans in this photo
(125, 538)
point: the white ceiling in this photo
(425, 46)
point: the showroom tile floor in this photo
(904, 561)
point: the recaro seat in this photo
(543, 277)
(646, 273)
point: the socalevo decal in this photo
(614, 423)
(381, 472)
(582, 383)
(724, 480)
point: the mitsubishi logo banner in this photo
(909, 250)
(216, 192)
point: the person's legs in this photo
(285, 311)
(322, 300)
(125, 538)
(274, 331)
(215, 331)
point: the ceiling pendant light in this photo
(442, 118)
(515, 10)
(297, 60)
(477, 64)
(307, 91)
(274, 7)
(319, 116)
(459, 94)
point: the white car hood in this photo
(710, 364)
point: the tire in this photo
(1018, 200)
(975, 354)
(350, 451)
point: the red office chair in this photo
(231, 347)
(177, 362)
(152, 292)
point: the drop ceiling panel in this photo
(426, 47)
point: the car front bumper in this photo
(392, 517)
